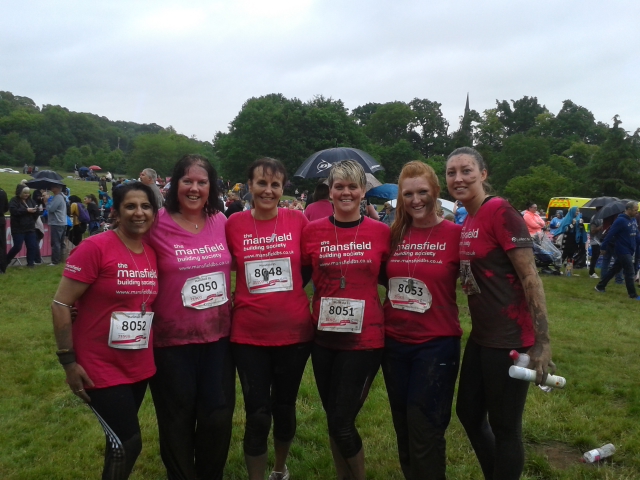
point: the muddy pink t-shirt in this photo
(269, 252)
(119, 280)
(183, 256)
(432, 256)
(500, 315)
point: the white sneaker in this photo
(280, 475)
(594, 275)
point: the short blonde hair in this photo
(348, 170)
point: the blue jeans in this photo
(31, 242)
(624, 263)
(606, 265)
(57, 242)
(420, 380)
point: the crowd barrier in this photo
(45, 243)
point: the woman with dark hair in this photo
(535, 223)
(24, 214)
(508, 312)
(422, 330)
(270, 345)
(105, 351)
(79, 227)
(347, 251)
(94, 213)
(194, 387)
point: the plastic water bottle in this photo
(598, 454)
(519, 359)
(528, 375)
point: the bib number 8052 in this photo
(133, 325)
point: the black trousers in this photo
(117, 411)
(194, 395)
(270, 379)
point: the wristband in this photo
(66, 356)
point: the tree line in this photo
(532, 154)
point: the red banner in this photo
(45, 243)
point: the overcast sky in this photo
(193, 64)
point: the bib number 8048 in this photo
(261, 273)
(204, 287)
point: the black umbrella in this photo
(319, 164)
(610, 209)
(600, 201)
(43, 183)
(47, 174)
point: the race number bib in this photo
(409, 294)
(264, 276)
(469, 284)
(205, 291)
(341, 315)
(130, 330)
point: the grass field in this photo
(47, 433)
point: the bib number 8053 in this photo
(402, 288)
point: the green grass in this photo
(47, 433)
(9, 181)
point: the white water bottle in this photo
(528, 375)
(598, 454)
(519, 359)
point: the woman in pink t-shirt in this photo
(271, 332)
(112, 279)
(194, 388)
(422, 329)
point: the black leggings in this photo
(270, 379)
(343, 378)
(194, 395)
(117, 410)
(486, 388)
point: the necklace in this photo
(183, 217)
(411, 274)
(265, 272)
(143, 305)
(343, 276)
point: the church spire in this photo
(466, 107)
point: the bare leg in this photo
(256, 466)
(342, 467)
(356, 465)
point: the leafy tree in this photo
(490, 131)
(433, 126)
(363, 113)
(390, 124)
(160, 152)
(523, 115)
(539, 186)
(23, 153)
(615, 168)
(518, 154)
(394, 157)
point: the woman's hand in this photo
(78, 379)
(540, 361)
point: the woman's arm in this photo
(69, 291)
(540, 353)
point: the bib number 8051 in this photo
(347, 311)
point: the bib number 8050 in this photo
(204, 287)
